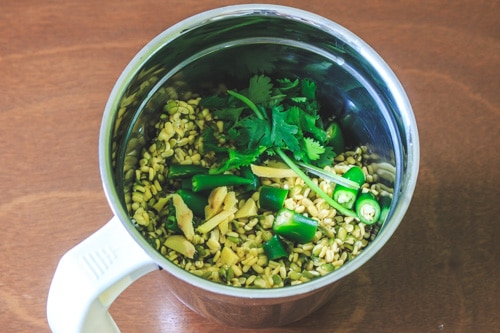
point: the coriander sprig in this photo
(285, 139)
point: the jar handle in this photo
(90, 276)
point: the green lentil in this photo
(177, 140)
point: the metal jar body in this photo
(232, 43)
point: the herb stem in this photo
(313, 186)
(248, 102)
(291, 164)
(203, 182)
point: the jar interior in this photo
(231, 50)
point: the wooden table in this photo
(439, 272)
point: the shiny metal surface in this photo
(228, 45)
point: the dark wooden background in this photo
(439, 272)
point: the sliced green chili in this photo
(195, 201)
(335, 138)
(272, 198)
(309, 182)
(347, 196)
(274, 248)
(171, 224)
(170, 221)
(294, 226)
(367, 208)
(181, 170)
(208, 182)
(385, 207)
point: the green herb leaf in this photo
(309, 89)
(215, 102)
(307, 123)
(251, 132)
(313, 149)
(260, 89)
(210, 142)
(237, 159)
(287, 84)
(326, 158)
(283, 133)
(285, 118)
(299, 99)
(229, 114)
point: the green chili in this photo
(309, 182)
(195, 201)
(187, 184)
(367, 208)
(335, 138)
(274, 248)
(272, 198)
(246, 172)
(208, 182)
(170, 221)
(181, 170)
(347, 196)
(294, 226)
(385, 207)
(171, 224)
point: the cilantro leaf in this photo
(238, 159)
(214, 102)
(299, 99)
(309, 89)
(230, 114)
(287, 84)
(307, 123)
(251, 132)
(283, 133)
(279, 130)
(313, 149)
(260, 89)
(210, 142)
(326, 158)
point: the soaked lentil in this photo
(232, 253)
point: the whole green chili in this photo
(246, 172)
(195, 201)
(181, 170)
(207, 182)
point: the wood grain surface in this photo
(439, 272)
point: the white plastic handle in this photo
(90, 276)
